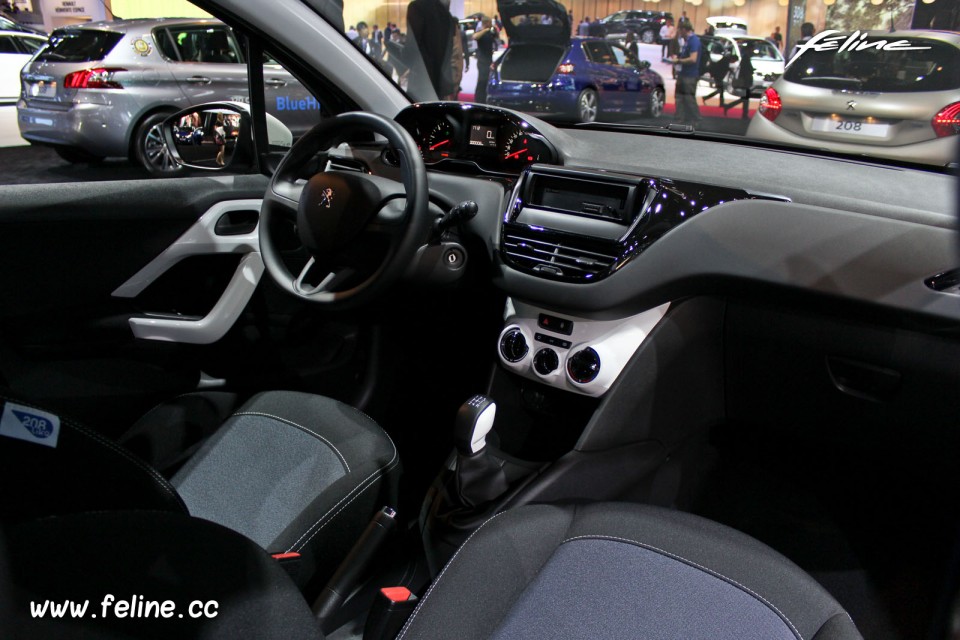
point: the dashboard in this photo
(586, 227)
(463, 138)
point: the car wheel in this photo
(150, 147)
(74, 155)
(648, 37)
(657, 100)
(588, 106)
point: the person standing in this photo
(633, 52)
(457, 51)
(718, 67)
(665, 37)
(486, 39)
(220, 139)
(777, 38)
(806, 32)
(352, 33)
(584, 28)
(673, 43)
(688, 112)
(363, 40)
(744, 80)
(464, 44)
(376, 39)
(430, 32)
(596, 29)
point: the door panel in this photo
(65, 338)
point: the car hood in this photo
(535, 21)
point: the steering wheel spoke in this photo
(328, 285)
(341, 214)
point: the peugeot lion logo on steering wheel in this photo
(326, 197)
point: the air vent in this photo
(562, 256)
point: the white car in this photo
(768, 62)
(728, 25)
(16, 48)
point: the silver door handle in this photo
(199, 80)
(274, 82)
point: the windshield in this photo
(574, 63)
(851, 77)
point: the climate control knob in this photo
(584, 366)
(546, 361)
(513, 346)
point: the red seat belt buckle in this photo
(397, 594)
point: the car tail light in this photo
(99, 78)
(565, 68)
(770, 104)
(947, 122)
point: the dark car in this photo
(644, 25)
(545, 71)
(6, 24)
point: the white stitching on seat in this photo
(299, 426)
(712, 572)
(360, 486)
(359, 493)
(93, 435)
(439, 577)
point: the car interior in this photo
(445, 370)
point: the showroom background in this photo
(762, 15)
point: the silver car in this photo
(100, 90)
(893, 103)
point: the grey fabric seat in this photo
(611, 571)
(293, 472)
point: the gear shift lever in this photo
(474, 421)
(479, 475)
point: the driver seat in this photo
(293, 472)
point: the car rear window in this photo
(80, 45)
(761, 48)
(933, 69)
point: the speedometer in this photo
(521, 148)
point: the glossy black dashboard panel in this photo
(462, 138)
(584, 224)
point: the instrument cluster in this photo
(456, 136)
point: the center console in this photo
(574, 354)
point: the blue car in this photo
(547, 72)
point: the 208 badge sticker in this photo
(32, 425)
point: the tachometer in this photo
(440, 139)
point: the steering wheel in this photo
(338, 212)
